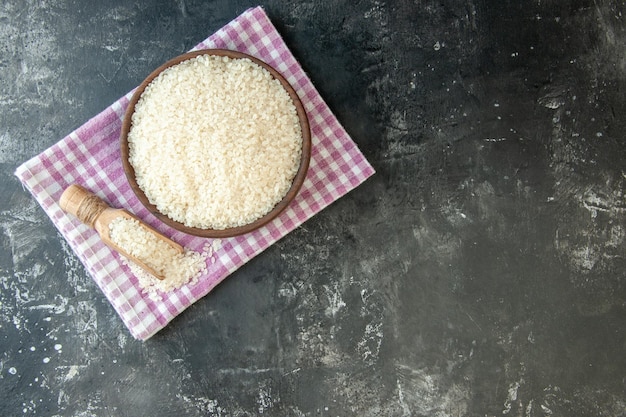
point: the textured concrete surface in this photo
(481, 272)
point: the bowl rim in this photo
(297, 181)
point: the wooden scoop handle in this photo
(82, 204)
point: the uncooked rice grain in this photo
(177, 268)
(215, 142)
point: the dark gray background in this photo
(480, 272)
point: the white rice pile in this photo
(215, 142)
(176, 268)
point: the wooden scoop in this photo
(94, 212)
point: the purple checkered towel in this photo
(90, 156)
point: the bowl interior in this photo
(218, 233)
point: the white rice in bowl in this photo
(215, 142)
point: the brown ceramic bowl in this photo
(218, 233)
